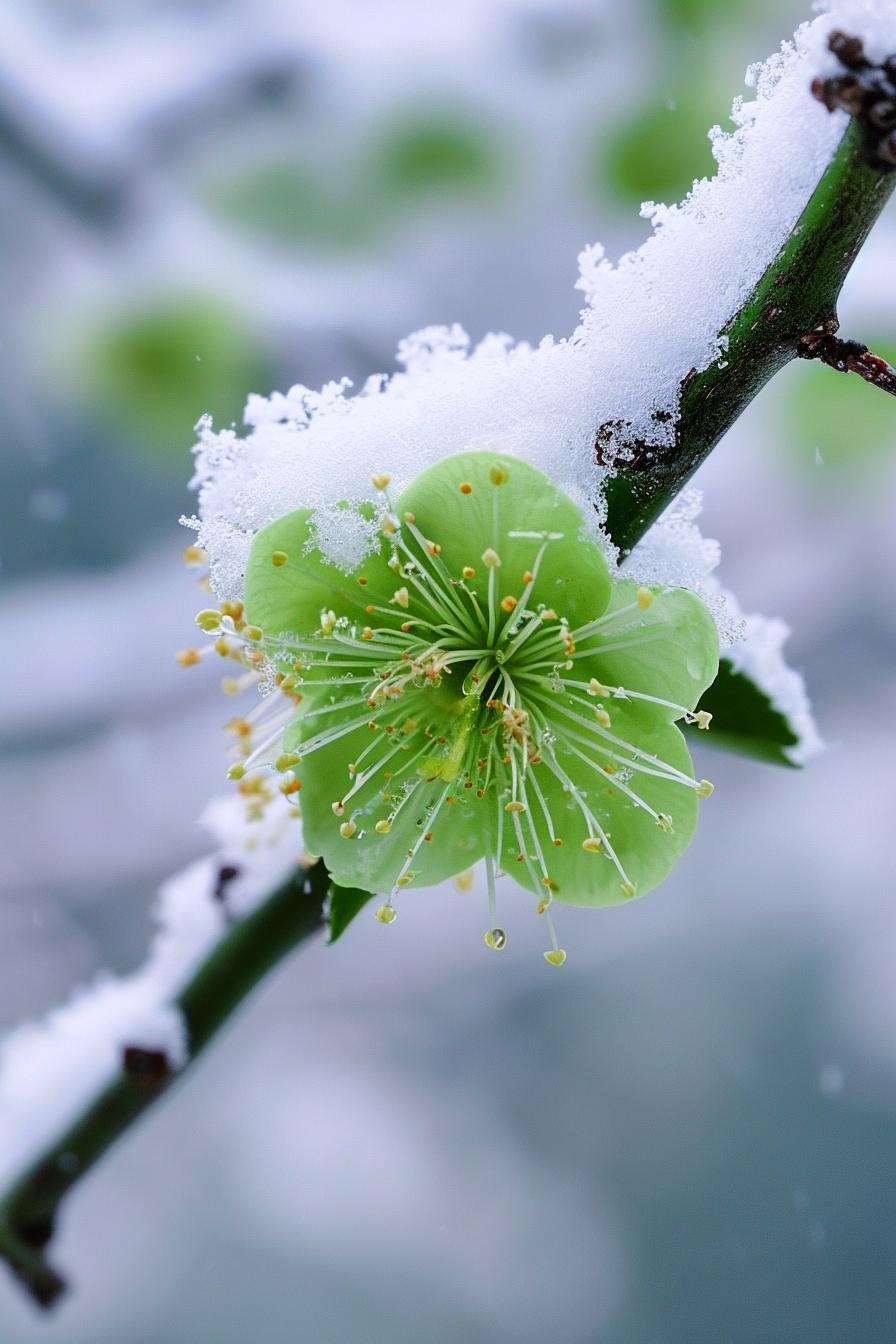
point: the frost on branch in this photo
(50, 1069)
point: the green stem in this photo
(239, 962)
(796, 296)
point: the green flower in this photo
(479, 687)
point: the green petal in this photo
(573, 576)
(646, 852)
(367, 859)
(672, 650)
(291, 596)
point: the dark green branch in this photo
(242, 959)
(797, 296)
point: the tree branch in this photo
(796, 297)
(791, 312)
(242, 959)
(848, 357)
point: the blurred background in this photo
(688, 1136)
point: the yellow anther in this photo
(464, 881)
(497, 475)
(609, 768)
(194, 555)
(548, 614)
(508, 603)
(596, 687)
(253, 632)
(403, 881)
(347, 830)
(383, 827)
(528, 576)
(705, 788)
(664, 821)
(232, 609)
(338, 809)
(410, 517)
(187, 657)
(468, 572)
(591, 844)
(602, 717)
(230, 685)
(279, 558)
(491, 559)
(543, 905)
(703, 718)
(236, 771)
(434, 548)
(208, 619)
(388, 527)
(465, 488)
(386, 914)
(381, 480)
(286, 761)
(241, 727)
(401, 597)
(327, 622)
(222, 647)
(367, 633)
(289, 786)
(644, 598)
(515, 806)
(628, 890)
(555, 957)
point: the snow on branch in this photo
(650, 319)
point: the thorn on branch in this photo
(866, 92)
(847, 357)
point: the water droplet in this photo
(496, 939)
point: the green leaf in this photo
(345, 904)
(744, 720)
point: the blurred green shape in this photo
(431, 155)
(841, 429)
(293, 204)
(151, 372)
(696, 16)
(744, 720)
(660, 150)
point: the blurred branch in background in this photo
(794, 303)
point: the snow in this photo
(50, 1069)
(759, 655)
(650, 318)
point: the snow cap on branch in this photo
(650, 318)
